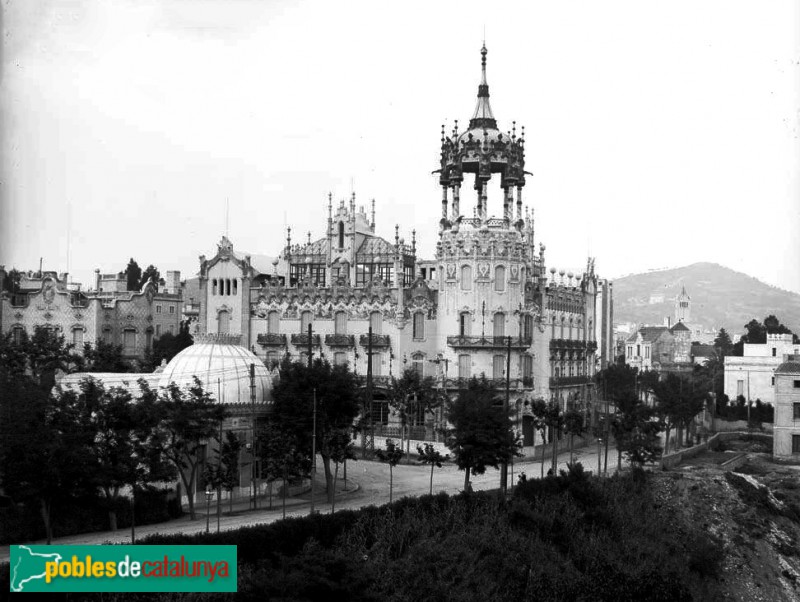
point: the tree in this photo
(167, 346)
(410, 394)
(338, 446)
(481, 435)
(723, 343)
(337, 393)
(229, 464)
(150, 274)
(432, 456)
(635, 431)
(757, 333)
(133, 275)
(678, 402)
(282, 457)
(392, 456)
(189, 418)
(11, 281)
(573, 425)
(541, 412)
(104, 357)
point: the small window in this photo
(796, 444)
(228, 287)
(158, 330)
(466, 278)
(464, 324)
(773, 381)
(129, 342)
(527, 367)
(499, 324)
(158, 309)
(796, 408)
(214, 286)
(273, 322)
(148, 339)
(419, 325)
(108, 336)
(172, 309)
(273, 359)
(306, 319)
(341, 235)
(498, 366)
(376, 363)
(235, 286)
(375, 322)
(418, 361)
(77, 338)
(172, 326)
(774, 352)
(797, 384)
(340, 358)
(17, 334)
(500, 278)
(340, 323)
(464, 366)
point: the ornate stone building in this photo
(485, 302)
(108, 312)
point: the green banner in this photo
(123, 568)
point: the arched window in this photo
(235, 286)
(306, 319)
(376, 322)
(527, 329)
(223, 325)
(214, 287)
(418, 363)
(500, 278)
(499, 324)
(228, 286)
(464, 324)
(419, 325)
(273, 322)
(466, 278)
(340, 323)
(341, 235)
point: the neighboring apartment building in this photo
(108, 312)
(786, 433)
(752, 375)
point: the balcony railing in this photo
(379, 381)
(378, 340)
(485, 342)
(273, 339)
(301, 339)
(339, 340)
(567, 381)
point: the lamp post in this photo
(209, 495)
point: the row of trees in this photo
(61, 444)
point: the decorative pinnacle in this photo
(442, 133)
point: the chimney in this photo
(97, 279)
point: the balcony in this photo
(568, 381)
(340, 340)
(379, 381)
(483, 342)
(378, 340)
(300, 339)
(272, 339)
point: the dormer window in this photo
(341, 235)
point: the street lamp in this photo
(209, 495)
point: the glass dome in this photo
(223, 368)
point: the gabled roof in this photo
(649, 334)
(374, 245)
(788, 368)
(261, 263)
(680, 326)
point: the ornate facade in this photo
(130, 319)
(485, 302)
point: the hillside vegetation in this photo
(720, 297)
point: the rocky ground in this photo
(753, 509)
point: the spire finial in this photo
(483, 116)
(373, 214)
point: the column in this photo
(508, 213)
(519, 203)
(456, 209)
(483, 202)
(444, 203)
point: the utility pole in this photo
(504, 465)
(313, 449)
(368, 434)
(254, 479)
(310, 349)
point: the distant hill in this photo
(720, 297)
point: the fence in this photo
(720, 425)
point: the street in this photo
(367, 484)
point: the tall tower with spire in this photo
(683, 306)
(486, 260)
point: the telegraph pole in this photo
(310, 349)
(313, 449)
(368, 434)
(254, 480)
(504, 465)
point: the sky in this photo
(659, 134)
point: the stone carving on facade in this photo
(19, 315)
(49, 292)
(483, 270)
(451, 271)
